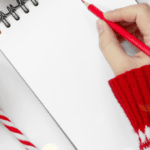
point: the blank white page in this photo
(55, 48)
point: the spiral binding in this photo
(12, 11)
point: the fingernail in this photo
(99, 26)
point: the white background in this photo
(55, 48)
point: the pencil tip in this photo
(82, 1)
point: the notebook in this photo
(55, 49)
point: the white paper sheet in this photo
(55, 48)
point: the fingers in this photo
(139, 13)
(109, 45)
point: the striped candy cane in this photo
(17, 133)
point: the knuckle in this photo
(145, 6)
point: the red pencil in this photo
(124, 33)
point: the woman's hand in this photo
(136, 20)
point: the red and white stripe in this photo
(17, 133)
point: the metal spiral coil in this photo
(12, 11)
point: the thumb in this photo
(109, 43)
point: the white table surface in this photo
(55, 50)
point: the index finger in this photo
(139, 13)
